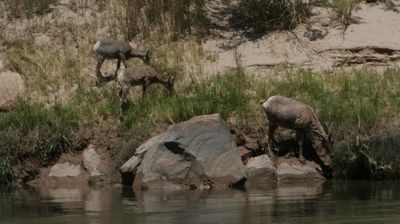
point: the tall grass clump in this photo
(165, 17)
(27, 8)
(43, 68)
(269, 15)
(343, 10)
(373, 157)
(7, 172)
(33, 131)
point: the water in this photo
(353, 202)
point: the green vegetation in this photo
(224, 94)
(7, 172)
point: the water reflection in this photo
(353, 202)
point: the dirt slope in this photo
(373, 39)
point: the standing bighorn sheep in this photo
(116, 49)
(143, 75)
(292, 114)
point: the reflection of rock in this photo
(92, 166)
(11, 86)
(65, 195)
(198, 153)
(299, 191)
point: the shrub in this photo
(7, 173)
(27, 8)
(343, 10)
(175, 18)
(268, 15)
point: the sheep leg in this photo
(123, 97)
(300, 139)
(145, 86)
(118, 66)
(123, 59)
(271, 141)
(100, 61)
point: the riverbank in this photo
(350, 81)
(360, 105)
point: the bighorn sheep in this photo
(116, 49)
(292, 114)
(143, 75)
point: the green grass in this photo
(7, 173)
(37, 131)
(224, 94)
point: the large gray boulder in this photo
(11, 86)
(198, 153)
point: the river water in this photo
(339, 202)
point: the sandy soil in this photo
(373, 39)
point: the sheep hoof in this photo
(302, 160)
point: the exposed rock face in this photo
(260, 169)
(11, 86)
(91, 161)
(198, 153)
(65, 169)
(72, 170)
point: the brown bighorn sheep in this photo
(143, 75)
(292, 114)
(116, 49)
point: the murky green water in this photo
(353, 202)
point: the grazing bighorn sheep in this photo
(116, 49)
(143, 75)
(292, 114)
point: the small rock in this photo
(42, 39)
(91, 161)
(293, 170)
(11, 86)
(252, 146)
(65, 169)
(260, 169)
(244, 154)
